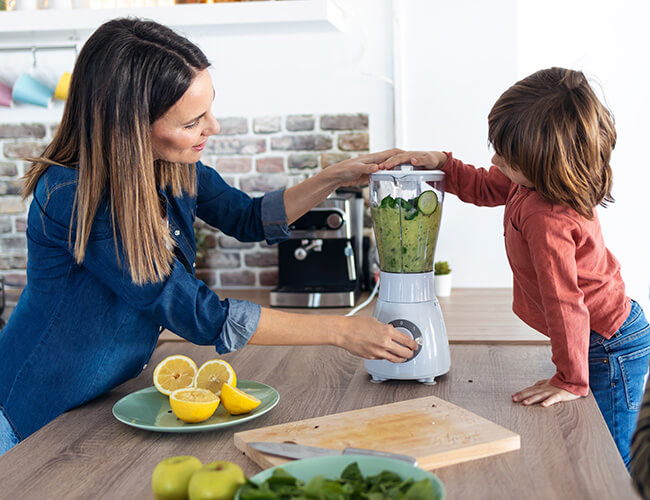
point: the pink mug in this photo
(5, 95)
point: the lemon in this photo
(193, 405)
(236, 401)
(174, 372)
(213, 374)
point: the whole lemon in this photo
(171, 477)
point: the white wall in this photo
(456, 59)
(459, 56)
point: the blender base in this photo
(426, 381)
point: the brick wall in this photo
(255, 154)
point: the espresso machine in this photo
(320, 265)
(406, 207)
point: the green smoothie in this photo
(406, 232)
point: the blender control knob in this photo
(411, 329)
(334, 221)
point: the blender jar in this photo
(406, 209)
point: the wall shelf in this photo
(52, 26)
(236, 17)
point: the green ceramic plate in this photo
(331, 467)
(148, 409)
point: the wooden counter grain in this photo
(566, 451)
(470, 314)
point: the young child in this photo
(553, 139)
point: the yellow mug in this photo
(62, 88)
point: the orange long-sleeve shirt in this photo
(565, 281)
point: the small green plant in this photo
(441, 267)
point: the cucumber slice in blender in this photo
(427, 202)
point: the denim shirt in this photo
(80, 330)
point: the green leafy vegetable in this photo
(352, 485)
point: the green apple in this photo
(216, 481)
(171, 477)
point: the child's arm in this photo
(485, 188)
(551, 238)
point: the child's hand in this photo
(543, 392)
(427, 159)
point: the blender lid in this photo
(405, 170)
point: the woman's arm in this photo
(299, 199)
(363, 336)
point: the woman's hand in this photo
(431, 160)
(355, 171)
(302, 197)
(544, 393)
(372, 339)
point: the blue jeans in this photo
(617, 371)
(8, 438)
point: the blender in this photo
(406, 208)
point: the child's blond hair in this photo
(552, 128)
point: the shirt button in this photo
(177, 233)
(145, 366)
(194, 265)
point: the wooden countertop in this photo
(566, 450)
(470, 314)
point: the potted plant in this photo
(442, 278)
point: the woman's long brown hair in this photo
(552, 128)
(127, 75)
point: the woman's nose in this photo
(213, 127)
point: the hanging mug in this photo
(63, 87)
(29, 90)
(5, 95)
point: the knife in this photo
(291, 450)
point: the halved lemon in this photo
(236, 401)
(193, 405)
(174, 372)
(213, 374)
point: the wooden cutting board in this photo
(435, 432)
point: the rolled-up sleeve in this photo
(274, 217)
(241, 322)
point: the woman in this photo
(111, 241)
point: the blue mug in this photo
(29, 90)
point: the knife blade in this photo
(292, 450)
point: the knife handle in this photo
(384, 454)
